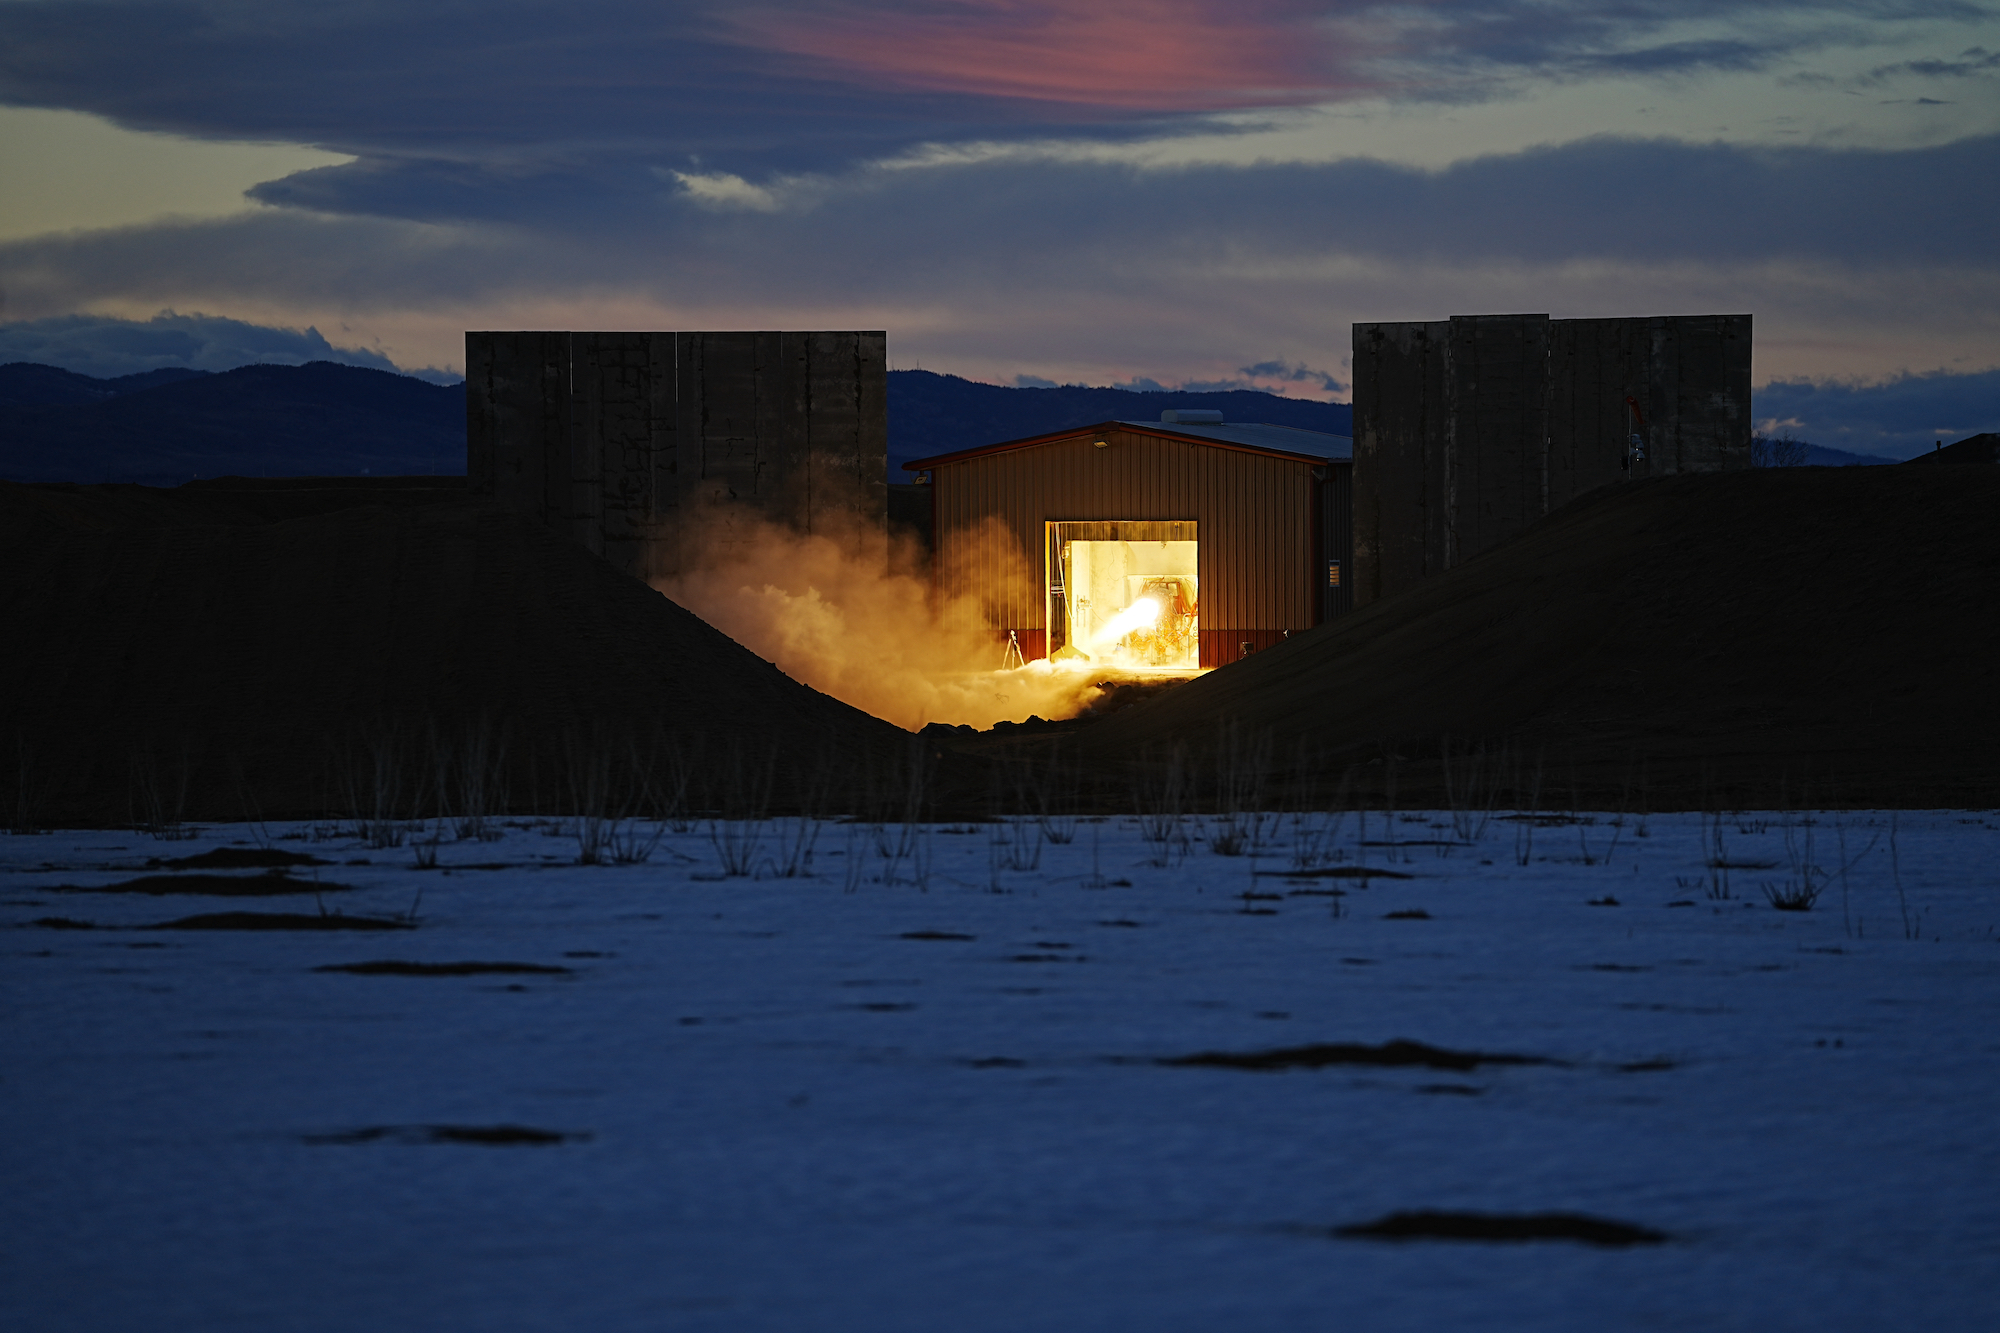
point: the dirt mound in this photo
(299, 649)
(1821, 635)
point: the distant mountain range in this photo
(164, 427)
(1820, 456)
(935, 414)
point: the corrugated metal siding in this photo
(1255, 517)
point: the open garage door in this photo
(1124, 593)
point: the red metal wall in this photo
(1255, 514)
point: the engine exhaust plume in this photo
(1142, 614)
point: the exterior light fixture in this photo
(1103, 444)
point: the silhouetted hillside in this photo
(1757, 638)
(164, 427)
(935, 414)
(245, 643)
(25, 384)
(1818, 455)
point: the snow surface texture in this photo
(806, 1103)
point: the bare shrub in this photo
(1053, 796)
(377, 787)
(1160, 800)
(1014, 844)
(471, 781)
(1782, 450)
(1240, 768)
(1715, 856)
(424, 851)
(24, 803)
(1469, 790)
(159, 799)
(736, 843)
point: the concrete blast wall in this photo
(1467, 430)
(638, 444)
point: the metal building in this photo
(637, 443)
(1467, 430)
(1166, 545)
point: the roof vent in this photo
(1191, 416)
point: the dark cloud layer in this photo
(1898, 419)
(516, 83)
(1009, 231)
(810, 85)
(1603, 199)
(107, 347)
(715, 156)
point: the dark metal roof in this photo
(1271, 439)
(1306, 446)
(1981, 448)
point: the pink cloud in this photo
(1138, 55)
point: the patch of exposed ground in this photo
(1389, 1055)
(1449, 1224)
(284, 921)
(270, 884)
(238, 858)
(396, 967)
(487, 1136)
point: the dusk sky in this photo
(1187, 191)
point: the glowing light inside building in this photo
(1124, 595)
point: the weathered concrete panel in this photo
(1469, 430)
(662, 536)
(1597, 375)
(1496, 429)
(517, 420)
(1701, 369)
(636, 444)
(1399, 452)
(849, 397)
(783, 409)
(611, 444)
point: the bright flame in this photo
(1142, 614)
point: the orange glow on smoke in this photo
(835, 611)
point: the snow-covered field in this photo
(926, 1091)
